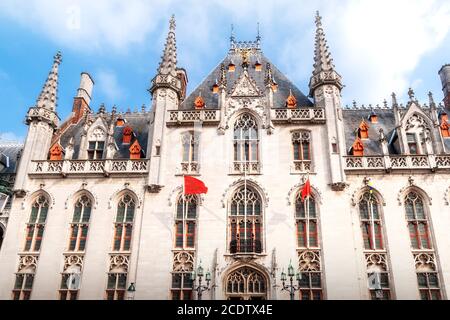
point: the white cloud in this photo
(376, 45)
(108, 84)
(10, 137)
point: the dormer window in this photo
(127, 133)
(358, 148)
(215, 87)
(56, 152)
(95, 150)
(258, 66)
(231, 66)
(363, 130)
(135, 150)
(373, 118)
(445, 129)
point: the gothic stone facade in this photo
(97, 201)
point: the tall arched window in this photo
(371, 223)
(246, 283)
(185, 222)
(422, 247)
(417, 222)
(36, 224)
(375, 252)
(246, 144)
(80, 224)
(123, 225)
(307, 222)
(245, 221)
(308, 248)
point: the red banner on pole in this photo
(194, 186)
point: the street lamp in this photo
(291, 288)
(131, 291)
(200, 274)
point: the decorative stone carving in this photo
(183, 261)
(309, 260)
(74, 260)
(425, 261)
(119, 263)
(28, 263)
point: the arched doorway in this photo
(246, 283)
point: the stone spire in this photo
(324, 70)
(168, 74)
(48, 97)
(168, 63)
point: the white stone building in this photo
(97, 200)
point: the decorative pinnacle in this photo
(431, 99)
(394, 99)
(48, 97)
(232, 38)
(168, 63)
(324, 70)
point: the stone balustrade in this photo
(298, 115)
(177, 117)
(397, 162)
(88, 167)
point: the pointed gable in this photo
(245, 86)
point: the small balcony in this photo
(189, 168)
(301, 166)
(301, 115)
(247, 167)
(245, 246)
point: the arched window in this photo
(80, 224)
(307, 222)
(246, 283)
(371, 223)
(375, 253)
(123, 225)
(246, 144)
(36, 224)
(185, 222)
(418, 225)
(426, 262)
(245, 221)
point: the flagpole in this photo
(373, 220)
(307, 214)
(184, 206)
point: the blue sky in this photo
(378, 46)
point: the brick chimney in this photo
(83, 98)
(445, 79)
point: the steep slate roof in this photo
(139, 122)
(12, 151)
(211, 99)
(352, 120)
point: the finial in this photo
(172, 23)
(431, 99)
(318, 19)
(57, 58)
(232, 39)
(411, 94)
(354, 104)
(101, 109)
(394, 99)
(385, 104)
(143, 108)
(258, 36)
(114, 109)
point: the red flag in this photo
(306, 191)
(194, 186)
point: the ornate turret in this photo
(45, 108)
(324, 70)
(168, 74)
